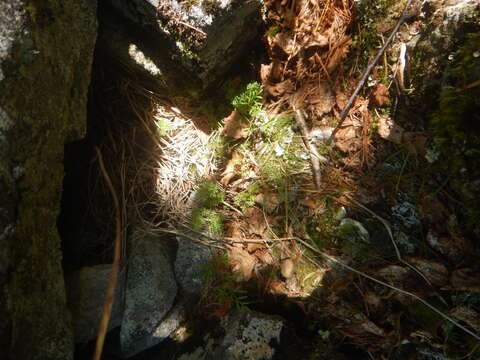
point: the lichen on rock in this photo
(46, 50)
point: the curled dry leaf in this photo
(255, 220)
(435, 272)
(278, 89)
(233, 229)
(283, 44)
(268, 200)
(465, 279)
(380, 95)
(229, 173)
(234, 126)
(321, 99)
(355, 322)
(242, 263)
(467, 315)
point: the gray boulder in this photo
(86, 290)
(46, 50)
(208, 36)
(190, 264)
(151, 291)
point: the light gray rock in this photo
(151, 291)
(46, 52)
(248, 335)
(86, 291)
(209, 36)
(354, 230)
(190, 264)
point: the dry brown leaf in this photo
(467, 315)
(435, 272)
(341, 100)
(255, 220)
(278, 89)
(265, 72)
(309, 202)
(234, 127)
(233, 229)
(465, 279)
(380, 95)
(347, 140)
(321, 99)
(242, 263)
(268, 200)
(264, 256)
(229, 173)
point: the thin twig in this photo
(358, 272)
(107, 306)
(193, 27)
(177, 233)
(368, 71)
(315, 157)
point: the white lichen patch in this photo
(255, 339)
(10, 25)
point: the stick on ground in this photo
(368, 71)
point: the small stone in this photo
(353, 228)
(287, 268)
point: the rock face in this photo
(207, 36)
(86, 290)
(189, 265)
(151, 290)
(444, 65)
(46, 52)
(247, 335)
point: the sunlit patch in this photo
(139, 57)
(184, 158)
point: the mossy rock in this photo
(45, 74)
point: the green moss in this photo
(207, 220)
(248, 102)
(455, 125)
(44, 92)
(209, 194)
(373, 16)
(246, 199)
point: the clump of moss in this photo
(374, 17)
(209, 195)
(455, 125)
(246, 199)
(248, 101)
(207, 219)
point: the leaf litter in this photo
(307, 70)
